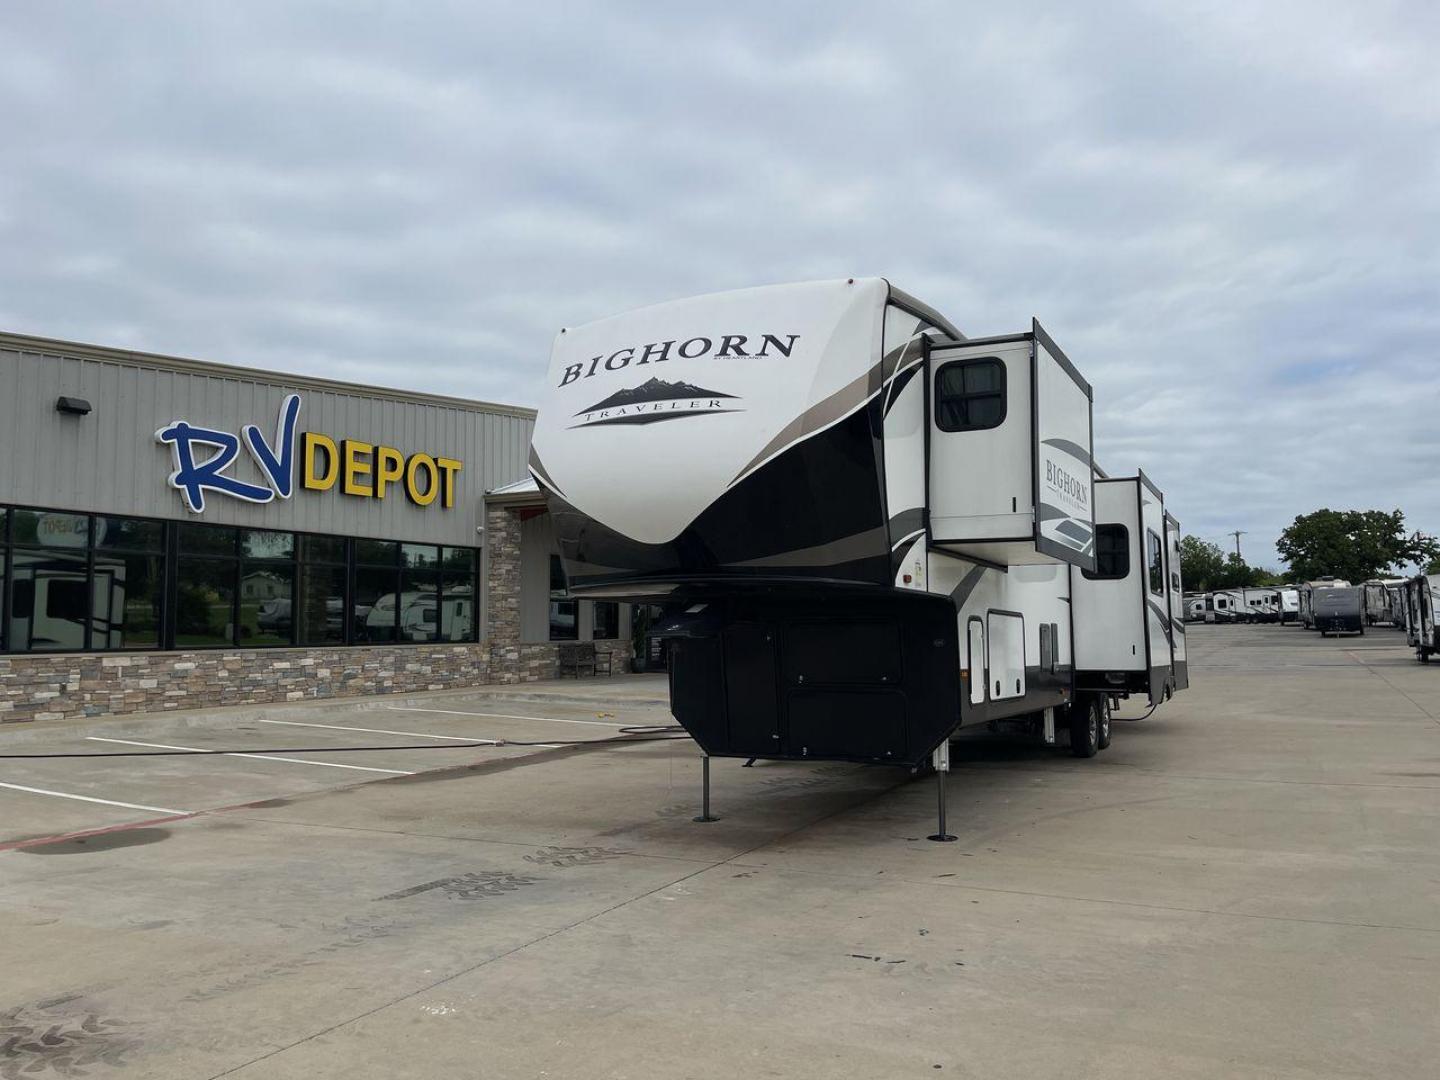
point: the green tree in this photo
(1351, 544)
(1202, 564)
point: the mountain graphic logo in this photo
(655, 400)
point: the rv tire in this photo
(1104, 735)
(1085, 727)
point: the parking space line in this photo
(91, 798)
(504, 716)
(263, 757)
(412, 734)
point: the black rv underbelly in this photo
(840, 676)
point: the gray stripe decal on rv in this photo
(907, 522)
(859, 545)
(1164, 620)
(824, 413)
(962, 592)
(1074, 449)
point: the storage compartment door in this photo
(751, 691)
(1006, 631)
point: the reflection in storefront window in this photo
(107, 582)
(48, 601)
(265, 603)
(205, 603)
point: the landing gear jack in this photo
(705, 814)
(941, 761)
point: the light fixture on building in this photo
(72, 406)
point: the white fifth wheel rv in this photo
(1129, 619)
(861, 522)
(1289, 604)
(1422, 625)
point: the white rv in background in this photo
(1194, 605)
(1375, 602)
(1222, 606)
(1422, 633)
(1260, 605)
(1395, 588)
(862, 523)
(1288, 603)
(1129, 618)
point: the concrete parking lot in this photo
(1244, 885)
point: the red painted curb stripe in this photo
(35, 841)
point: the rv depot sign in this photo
(203, 457)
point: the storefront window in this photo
(376, 552)
(4, 561)
(207, 540)
(564, 613)
(607, 620)
(320, 596)
(47, 600)
(258, 544)
(205, 602)
(266, 594)
(419, 555)
(75, 581)
(420, 605)
(375, 616)
(459, 612)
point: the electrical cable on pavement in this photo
(635, 734)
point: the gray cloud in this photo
(1227, 216)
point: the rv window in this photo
(1112, 553)
(1157, 572)
(970, 395)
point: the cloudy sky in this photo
(1228, 215)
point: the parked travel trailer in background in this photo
(862, 524)
(1375, 602)
(1289, 604)
(1307, 598)
(1194, 607)
(1339, 610)
(1260, 605)
(1421, 632)
(1222, 606)
(1129, 619)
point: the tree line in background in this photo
(1355, 545)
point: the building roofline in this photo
(134, 358)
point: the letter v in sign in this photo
(279, 469)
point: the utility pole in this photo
(1237, 534)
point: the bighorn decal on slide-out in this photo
(655, 400)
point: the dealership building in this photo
(177, 534)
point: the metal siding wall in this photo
(110, 462)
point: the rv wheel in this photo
(1104, 739)
(1422, 656)
(1085, 728)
